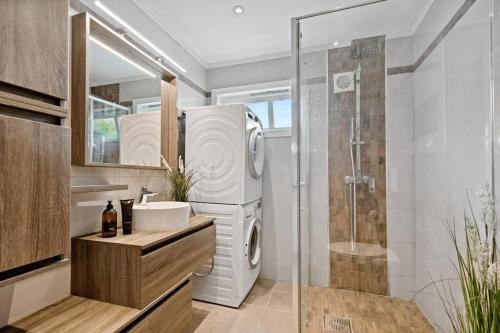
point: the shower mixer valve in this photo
(369, 180)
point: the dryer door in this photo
(252, 244)
(256, 152)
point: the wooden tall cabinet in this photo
(34, 141)
(34, 40)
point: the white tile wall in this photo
(315, 99)
(452, 138)
(400, 170)
(277, 219)
(433, 22)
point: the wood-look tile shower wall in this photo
(359, 273)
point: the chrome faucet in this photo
(146, 194)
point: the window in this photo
(272, 105)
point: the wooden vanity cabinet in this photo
(134, 270)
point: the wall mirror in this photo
(124, 102)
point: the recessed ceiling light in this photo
(238, 10)
(336, 44)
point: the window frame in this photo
(246, 90)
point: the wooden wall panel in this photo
(34, 191)
(169, 122)
(79, 87)
(34, 45)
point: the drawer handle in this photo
(209, 272)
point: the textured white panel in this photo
(140, 139)
(215, 148)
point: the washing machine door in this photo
(252, 244)
(256, 152)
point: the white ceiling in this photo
(211, 32)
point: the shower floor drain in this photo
(336, 324)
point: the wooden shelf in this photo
(97, 188)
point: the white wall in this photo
(452, 139)
(250, 73)
(276, 222)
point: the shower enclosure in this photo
(393, 120)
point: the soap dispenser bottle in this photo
(109, 221)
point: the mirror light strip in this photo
(139, 35)
(121, 56)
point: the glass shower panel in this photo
(384, 129)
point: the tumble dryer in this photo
(225, 144)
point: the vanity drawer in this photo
(171, 316)
(161, 269)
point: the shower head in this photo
(366, 47)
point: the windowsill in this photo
(277, 133)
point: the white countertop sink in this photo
(161, 216)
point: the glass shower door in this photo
(391, 126)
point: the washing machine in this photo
(225, 145)
(237, 261)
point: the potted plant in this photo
(180, 180)
(478, 271)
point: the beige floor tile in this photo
(280, 301)
(249, 316)
(265, 283)
(212, 327)
(276, 322)
(283, 287)
(223, 315)
(259, 295)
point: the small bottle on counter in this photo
(109, 221)
(127, 210)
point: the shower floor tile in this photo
(368, 313)
(267, 309)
